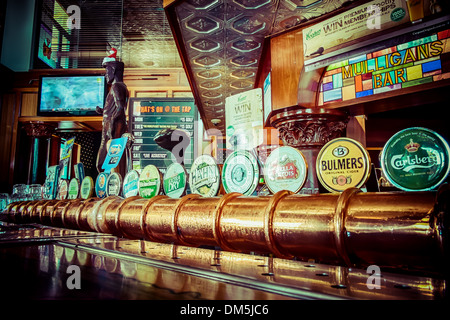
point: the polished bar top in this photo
(40, 263)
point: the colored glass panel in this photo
(357, 59)
(367, 85)
(442, 76)
(387, 88)
(381, 62)
(417, 82)
(327, 79)
(337, 80)
(414, 72)
(358, 83)
(405, 65)
(371, 65)
(366, 76)
(446, 45)
(332, 95)
(416, 43)
(348, 82)
(337, 65)
(431, 66)
(393, 68)
(364, 93)
(348, 93)
(327, 86)
(432, 73)
(426, 60)
(332, 72)
(444, 34)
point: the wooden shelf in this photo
(91, 123)
(430, 93)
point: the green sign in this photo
(175, 181)
(149, 182)
(416, 159)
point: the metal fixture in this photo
(399, 230)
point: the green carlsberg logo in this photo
(398, 14)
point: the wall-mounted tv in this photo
(71, 95)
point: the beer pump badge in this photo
(130, 184)
(205, 177)
(74, 189)
(63, 189)
(343, 163)
(175, 180)
(87, 187)
(285, 169)
(114, 184)
(101, 185)
(240, 173)
(416, 159)
(149, 182)
(115, 152)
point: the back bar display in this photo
(148, 117)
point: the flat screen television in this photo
(74, 95)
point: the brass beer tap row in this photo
(400, 230)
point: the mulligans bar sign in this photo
(400, 66)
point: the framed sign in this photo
(244, 119)
(327, 36)
(150, 119)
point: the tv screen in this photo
(77, 95)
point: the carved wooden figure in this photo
(114, 116)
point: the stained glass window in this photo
(405, 65)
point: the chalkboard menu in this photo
(148, 116)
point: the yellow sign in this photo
(341, 164)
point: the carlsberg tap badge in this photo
(415, 159)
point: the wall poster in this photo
(244, 119)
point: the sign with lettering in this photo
(205, 176)
(240, 173)
(115, 152)
(100, 185)
(398, 66)
(343, 163)
(65, 158)
(416, 159)
(285, 169)
(51, 183)
(147, 117)
(150, 182)
(244, 119)
(175, 181)
(329, 35)
(130, 184)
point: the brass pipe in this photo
(84, 213)
(393, 229)
(68, 217)
(57, 213)
(14, 214)
(33, 212)
(46, 211)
